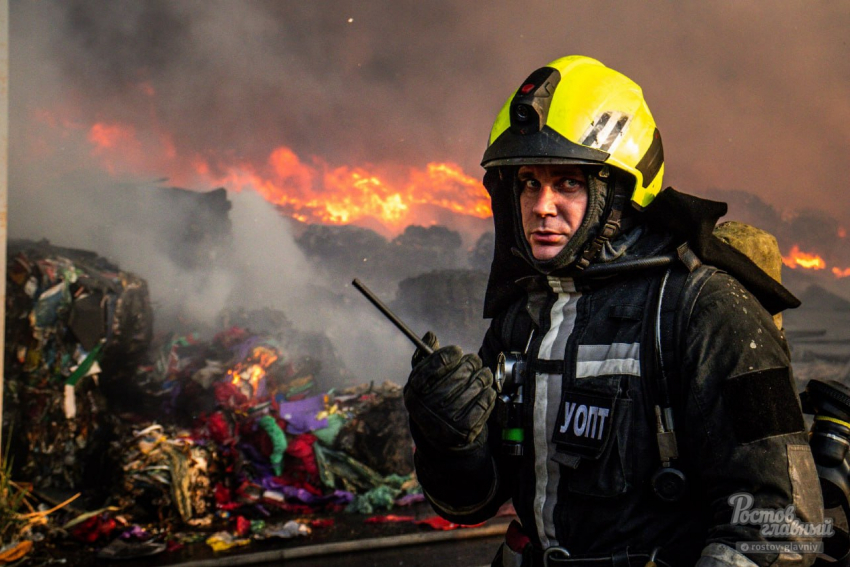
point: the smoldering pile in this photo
(183, 432)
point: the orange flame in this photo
(346, 194)
(310, 190)
(107, 136)
(253, 369)
(796, 258)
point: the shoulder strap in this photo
(666, 337)
(671, 321)
(512, 334)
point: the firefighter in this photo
(643, 407)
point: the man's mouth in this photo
(547, 237)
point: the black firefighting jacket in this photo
(590, 449)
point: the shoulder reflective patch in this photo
(806, 491)
(605, 130)
(763, 404)
(604, 360)
(584, 423)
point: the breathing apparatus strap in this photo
(666, 347)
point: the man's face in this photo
(553, 201)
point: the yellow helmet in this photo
(577, 110)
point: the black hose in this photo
(629, 265)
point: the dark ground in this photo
(471, 547)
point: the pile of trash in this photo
(260, 444)
(265, 456)
(225, 439)
(245, 440)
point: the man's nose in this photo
(544, 206)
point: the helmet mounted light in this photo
(530, 105)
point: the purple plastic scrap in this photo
(300, 415)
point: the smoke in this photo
(269, 270)
(746, 97)
(248, 261)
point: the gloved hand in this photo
(449, 395)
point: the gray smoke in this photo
(746, 96)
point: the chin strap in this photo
(613, 224)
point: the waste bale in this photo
(378, 434)
(449, 302)
(74, 320)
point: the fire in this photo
(252, 370)
(796, 258)
(321, 193)
(307, 188)
(108, 136)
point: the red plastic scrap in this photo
(219, 429)
(248, 492)
(243, 526)
(94, 528)
(228, 395)
(223, 495)
(304, 467)
(321, 523)
(514, 537)
(389, 518)
(439, 523)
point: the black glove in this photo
(449, 395)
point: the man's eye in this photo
(570, 184)
(532, 184)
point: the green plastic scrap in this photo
(278, 438)
(395, 480)
(85, 365)
(354, 475)
(298, 389)
(326, 475)
(379, 498)
(360, 505)
(257, 526)
(327, 435)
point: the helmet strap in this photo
(613, 224)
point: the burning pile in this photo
(229, 432)
(242, 426)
